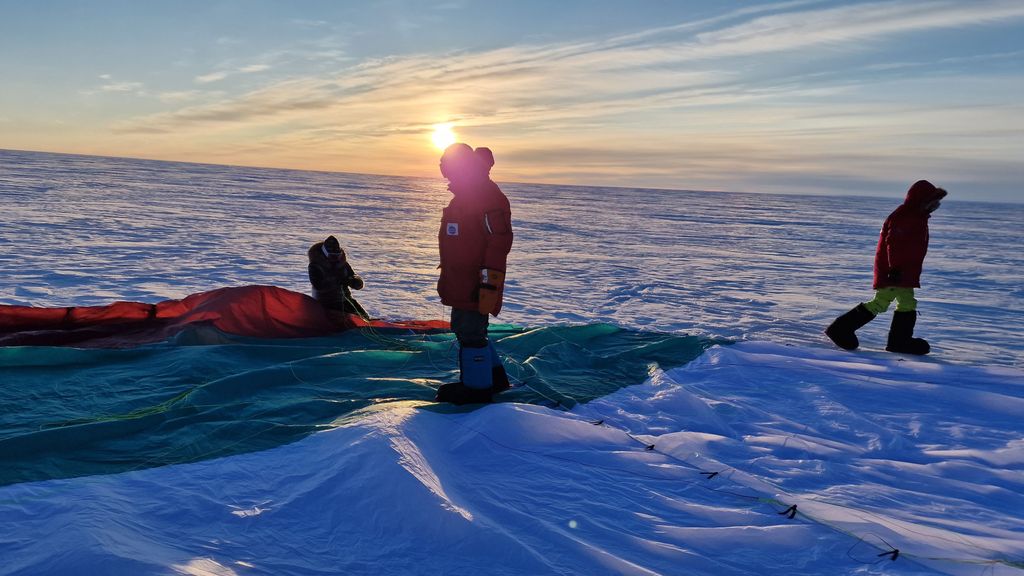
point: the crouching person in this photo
(333, 279)
(474, 241)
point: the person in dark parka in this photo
(333, 279)
(899, 257)
(474, 240)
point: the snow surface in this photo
(878, 451)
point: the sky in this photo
(795, 96)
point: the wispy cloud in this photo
(121, 87)
(698, 86)
(211, 77)
(328, 49)
(587, 67)
(111, 86)
(847, 26)
(219, 75)
(179, 96)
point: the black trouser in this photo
(470, 327)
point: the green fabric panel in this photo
(72, 412)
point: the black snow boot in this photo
(459, 394)
(500, 379)
(841, 330)
(901, 335)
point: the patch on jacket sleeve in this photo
(452, 228)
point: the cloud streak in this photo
(578, 75)
(219, 75)
(725, 81)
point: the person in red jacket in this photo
(902, 245)
(474, 241)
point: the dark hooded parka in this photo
(903, 240)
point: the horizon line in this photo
(578, 185)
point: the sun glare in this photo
(443, 136)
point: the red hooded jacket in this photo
(903, 240)
(476, 233)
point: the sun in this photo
(443, 136)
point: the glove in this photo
(894, 276)
(491, 283)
